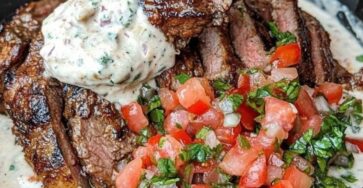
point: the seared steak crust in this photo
(34, 103)
(187, 62)
(326, 68)
(97, 133)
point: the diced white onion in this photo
(211, 139)
(226, 106)
(321, 104)
(283, 73)
(231, 120)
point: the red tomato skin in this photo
(191, 92)
(280, 112)
(333, 92)
(248, 116)
(305, 105)
(228, 135)
(199, 108)
(263, 142)
(171, 148)
(237, 161)
(176, 121)
(154, 139)
(297, 178)
(134, 116)
(256, 175)
(212, 118)
(244, 84)
(287, 55)
(282, 184)
(182, 137)
(356, 142)
(143, 152)
(169, 99)
(130, 176)
(200, 186)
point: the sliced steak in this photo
(16, 35)
(261, 13)
(35, 105)
(187, 62)
(97, 133)
(287, 16)
(326, 68)
(246, 42)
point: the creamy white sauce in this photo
(108, 46)
(14, 170)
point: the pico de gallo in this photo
(263, 129)
(258, 133)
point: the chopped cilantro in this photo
(182, 78)
(196, 152)
(349, 178)
(236, 100)
(154, 103)
(359, 58)
(163, 181)
(221, 86)
(203, 133)
(243, 142)
(302, 143)
(282, 38)
(166, 167)
(106, 59)
(143, 137)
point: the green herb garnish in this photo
(282, 38)
(182, 78)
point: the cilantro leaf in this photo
(166, 167)
(196, 152)
(221, 86)
(300, 146)
(349, 178)
(154, 103)
(243, 142)
(182, 78)
(282, 38)
(359, 58)
(202, 133)
(236, 100)
(157, 118)
(143, 137)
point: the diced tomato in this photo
(244, 84)
(200, 186)
(228, 135)
(256, 175)
(282, 184)
(134, 116)
(143, 152)
(356, 142)
(273, 173)
(287, 55)
(192, 96)
(333, 92)
(182, 137)
(176, 121)
(169, 99)
(199, 108)
(130, 176)
(168, 147)
(279, 112)
(314, 123)
(212, 118)
(237, 160)
(154, 139)
(284, 73)
(205, 167)
(305, 105)
(207, 87)
(263, 142)
(297, 178)
(248, 116)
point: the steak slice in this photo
(35, 105)
(97, 133)
(287, 16)
(326, 68)
(246, 42)
(216, 53)
(16, 35)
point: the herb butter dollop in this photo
(108, 46)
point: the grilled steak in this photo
(97, 133)
(216, 53)
(182, 19)
(246, 42)
(34, 104)
(188, 62)
(17, 34)
(326, 68)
